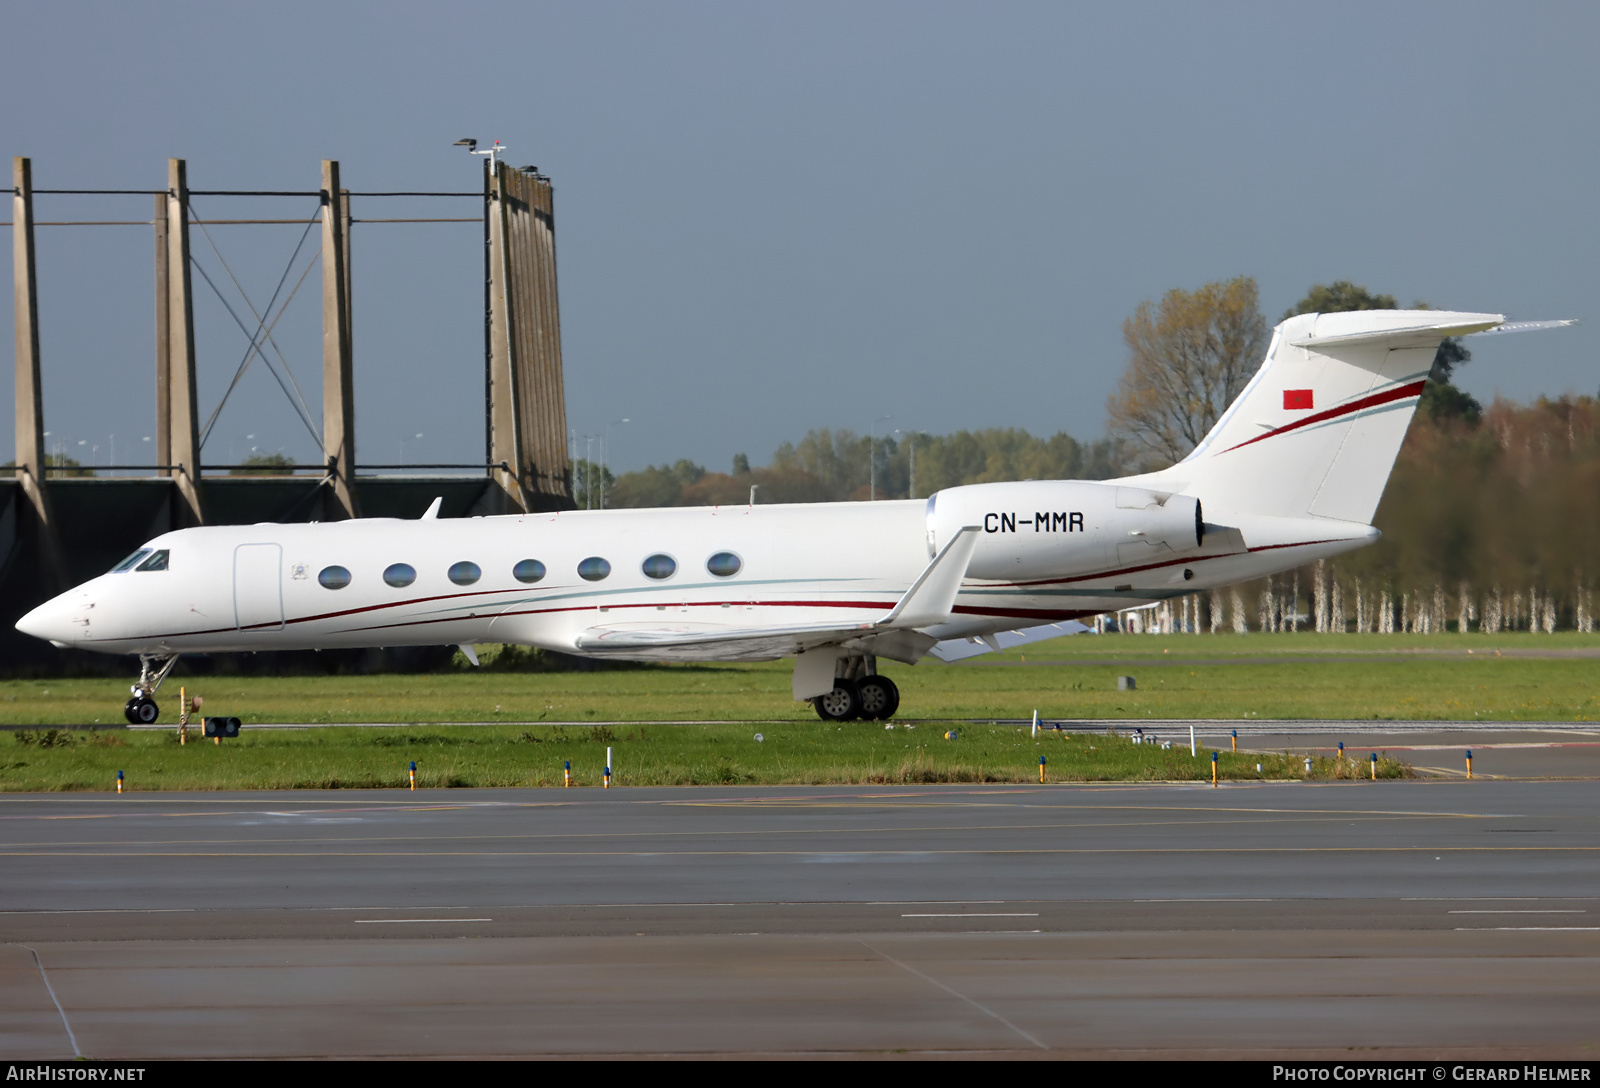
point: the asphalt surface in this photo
(1392, 919)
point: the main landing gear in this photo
(153, 668)
(867, 696)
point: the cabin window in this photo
(528, 570)
(659, 566)
(333, 577)
(464, 573)
(127, 564)
(724, 564)
(594, 569)
(400, 574)
(158, 561)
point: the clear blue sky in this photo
(779, 216)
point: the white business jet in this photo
(1290, 474)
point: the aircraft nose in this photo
(61, 620)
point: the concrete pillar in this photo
(183, 413)
(505, 446)
(30, 398)
(163, 450)
(338, 382)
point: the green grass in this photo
(1224, 676)
(461, 756)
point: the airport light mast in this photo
(491, 160)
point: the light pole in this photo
(491, 157)
(898, 432)
(588, 471)
(605, 458)
(911, 449)
(872, 460)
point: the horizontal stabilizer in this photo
(1430, 332)
(1526, 326)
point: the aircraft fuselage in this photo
(1046, 551)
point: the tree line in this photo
(841, 466)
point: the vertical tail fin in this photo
(1316, 431)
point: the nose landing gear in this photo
(142, 708)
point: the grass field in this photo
(1179, 676)
(656, 755)
(1506, 677)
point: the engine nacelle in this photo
(1057, 528)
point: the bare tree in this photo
(1188, 358)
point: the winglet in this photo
(933, 595)
(433, 510)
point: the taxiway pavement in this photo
(1400, 918)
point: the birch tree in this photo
(1189, 356)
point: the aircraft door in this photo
(258, 587)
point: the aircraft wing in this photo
(958, 649)
(928, 602)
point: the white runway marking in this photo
(51, 990)
(956, 993)
(398, 921)
(111, 910)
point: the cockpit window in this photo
(127, 564)
(158, 561)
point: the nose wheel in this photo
(142, 708)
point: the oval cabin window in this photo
(594, 569)
(464, 573)
(659, 566)
(333, 577)
(529, 570)
(400, 574)
(724, 564)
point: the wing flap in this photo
(958, 649)
(704, 642)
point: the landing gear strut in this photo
(860, 692)
(153, 668)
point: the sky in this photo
(775, 217)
